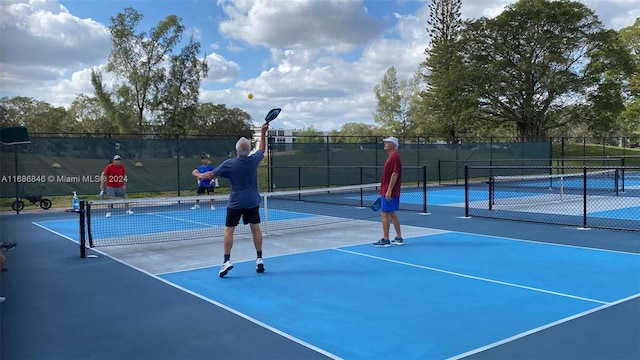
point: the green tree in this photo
(16, 111)
(630, 117)
(530, 61)
(138, 60)
(310, 135)
(90, 115)
(447, 102)
(177, 99)
(388, 95)
(354, 133)
(119, 114)
(37, 116)
(217, 120)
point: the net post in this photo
(87, 211)
(584, 197)
(466, 191)
(622, 175)
(266, 213)
(424, 188)
(83, 240)
(491, 192)
(615, 182)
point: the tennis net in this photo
(550, 187)
(154, 220)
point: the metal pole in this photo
(83, 240)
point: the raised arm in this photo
(263, 133)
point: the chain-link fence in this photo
(59, 165)
(588, 196)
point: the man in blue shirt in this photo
(244, 197)
(204, 184)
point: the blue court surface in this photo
(459, 288)
(415, 301)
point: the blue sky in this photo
(318, 60)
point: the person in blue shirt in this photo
(204, 184)
(244, 197)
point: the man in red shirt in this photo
(115, 177)
(390, 194)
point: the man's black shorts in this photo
(201, 190)
(249, 216)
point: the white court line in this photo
(179, 219)
(220, 305)
(476, 277)
(543, 327)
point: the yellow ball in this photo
(250, 96)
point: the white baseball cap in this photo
(392, 139)
(117, 157)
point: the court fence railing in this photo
(605, 197)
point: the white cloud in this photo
(42, 44)
(324, 57)
(221, 69)
(333, 24)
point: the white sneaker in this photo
(108, 214)
(129, 212)
(259, 266)
(195, 207)
(213, 207)
(225, 268)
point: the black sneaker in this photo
(382, 243)
(398, 241)
(8, 246)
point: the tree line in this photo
(155, 91)
(541, 68)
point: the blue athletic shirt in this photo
(242, 172)
(205, 183)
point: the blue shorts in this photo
(249, 216)
(390, 206)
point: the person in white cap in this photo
(115, 177)
(390, 194)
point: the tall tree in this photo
(388, 95)
(177, 99)
(139, 61)
(119, 114)
(446, 102)
(530, 61)
(630, 117)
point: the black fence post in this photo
(466, 191)
(83, 239)
(424, 188)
